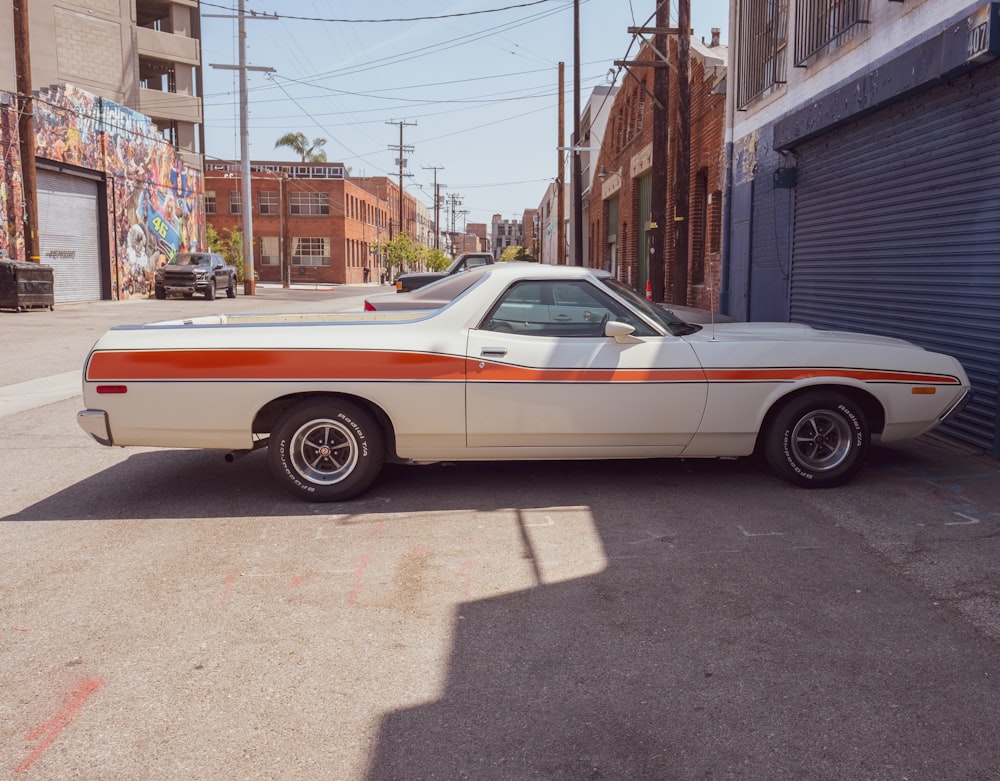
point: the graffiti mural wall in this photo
(153, 198)
(11, 194)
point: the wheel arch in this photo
(870, 405)
(268, 415)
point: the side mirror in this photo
(620, 332)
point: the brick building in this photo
(310, 221)
(117, 116)
(620, 200)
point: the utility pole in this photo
(658, 218)
(561, 173)
(682, 162)
(661, 142)
(401, 162)
(437, 202)
(26, 132)
(454, 201)
(249, 283)
(577, 173)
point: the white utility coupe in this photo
(529, 362)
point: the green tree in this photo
(309, 152)
(229, 244)
(401, 253)
(515, 252)
(436, 260)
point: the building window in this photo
(209, 201)
(235, 200)
(268, 203)
(310, 252)
(819, 23)
(762, 42)
(269, 251)
(309, 204)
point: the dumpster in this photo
(25, 285)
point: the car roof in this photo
(518, 267)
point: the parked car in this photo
(465, 262)
(530, 362)
(188, 273)
(432, 296)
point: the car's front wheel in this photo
(817, 440)
(326, 451)
(210, 290)
(160, 292)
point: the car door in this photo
(560, 387)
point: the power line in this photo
(397, 19)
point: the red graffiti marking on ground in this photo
(227, 588)
(363, 562)
(298, 580)
(49, 731)
(465, 575)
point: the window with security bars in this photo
(819, 23)
(762, 43)
(235, 202)
(308, 251)
(209, 201)
(268, 202)
(308, 204)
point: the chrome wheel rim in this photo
(324, 452)
(821, 441)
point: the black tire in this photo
(159, 292)
(231, 290)
(326, 451)
(817, 440)
(210, 290)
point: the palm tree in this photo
(310, 153)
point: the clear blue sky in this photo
(482, 88)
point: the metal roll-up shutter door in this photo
(68, 235)
(897, 232)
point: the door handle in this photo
(561, 318)
(498, 351)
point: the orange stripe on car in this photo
(273, 365)
(375, 365)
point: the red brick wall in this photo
(629, 131)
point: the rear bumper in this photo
(95, 423)
(955, 409)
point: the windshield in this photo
(189, 260)
(673, 324)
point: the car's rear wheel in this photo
(326, 451)
(817, 440)
(231, 290)
(210, 290)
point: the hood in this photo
(788, 332)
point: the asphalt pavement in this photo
(165, 614)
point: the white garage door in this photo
(68, 235)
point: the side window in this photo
(558, 308)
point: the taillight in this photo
(369, 307)
(112, 389)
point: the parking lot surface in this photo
(165, 614)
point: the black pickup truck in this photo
(195, 272)
(414, 279)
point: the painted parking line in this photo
(27, 395)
